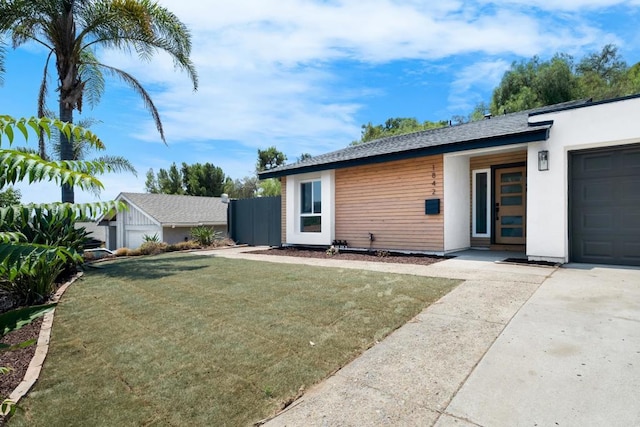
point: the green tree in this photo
(395, 126)
(167, 182)
(72, 30)
(10, 197)
(203, 179)
(244, 188)
(269, 187)
(535, 83)
(303, 157)
(269, 159)
(151, 183)
(604, 74)
(197, 179)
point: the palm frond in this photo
(139, 25)
(146, 98)
(117, 164)
(89, 72)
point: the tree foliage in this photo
(10, 197)
(72, 31)
(536, 83)
(244, 188)
(395, 126)
(269, 159)
(197, 179)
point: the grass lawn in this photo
(179, 339)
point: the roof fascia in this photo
(539, 134)
(588, 104)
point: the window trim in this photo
(474, 209)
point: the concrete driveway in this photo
(511, 346)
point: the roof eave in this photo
(539, 133)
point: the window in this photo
(481, 203)
(311, 207)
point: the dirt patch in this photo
(374, 256)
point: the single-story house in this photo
(170, 217)
(560, 183)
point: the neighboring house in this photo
(170, 217)
(95, 231)
(561, 183)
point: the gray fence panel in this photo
(256, 221)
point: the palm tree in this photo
(72, 30)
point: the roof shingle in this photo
(180, 210)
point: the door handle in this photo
(497, 211)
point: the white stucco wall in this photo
(327, 235)
(457, 216)
(603, 125)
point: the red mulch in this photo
(374, 256)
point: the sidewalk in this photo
(467, 361)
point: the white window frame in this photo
(474, 208)
(293, 209)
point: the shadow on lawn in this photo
(151, 267)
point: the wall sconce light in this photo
(543, 160)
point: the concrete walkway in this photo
(512, 345)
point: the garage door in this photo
(605, 206)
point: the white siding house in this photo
(170, 217)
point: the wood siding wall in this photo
(388, 200)
(135, 217)
(283, 186)
(486, 162)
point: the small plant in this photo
(204, 235)
(332, 251)
(268, 392)
(382, 254)
(151, 239)
(33, 281)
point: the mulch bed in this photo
(17, 360)
(374, 256)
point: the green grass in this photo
(188, 340)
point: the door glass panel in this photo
(511, 177)
(481, 203)
(511, 220)
(511, 232)
(512, 188)
(511, 200)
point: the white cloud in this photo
(470, 80)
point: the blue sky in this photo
(304, 75)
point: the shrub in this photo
(33, 281)
(122, 252)
(204, 235)
(152, 248)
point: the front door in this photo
(510, 207)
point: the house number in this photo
(433, 175)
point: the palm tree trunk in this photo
(66, 149)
